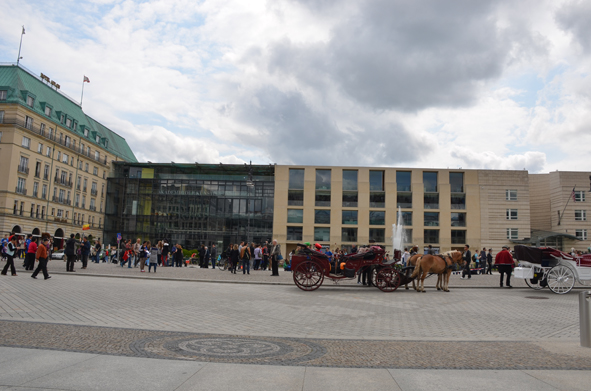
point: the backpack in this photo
(245, 254)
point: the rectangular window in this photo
(511, 195)
(95, 171)
(38, 170)
(408, 236)
(60, 213)
(3, 94)
(581, 234)
(83, 201)
(48, 152)
(26, 143)
(295, 216)
(86, 167)
(294, 233)
(403, 181)
(376, 181)
(68, 122)
(30, 101)
(431, 219)
(580, 215)
(46, 172)
(321, 234)
(322, 216)
(458, 236)
(85, 132)
(458, 201)
(406, 218)
(458, 219)
(579, 196)
(349, 234)
(65, 158)
(511, 214)
(512, 233)
(23, 165)
(29, 123)
(35, 189)
(431, 236)
(377, 218)
(44, 192)
(350, 199)
(377, 234)
(404, 200)
(377, 200)
(40, 148)
(456, 182)
(350, 180)
(430, 182)
(42, 212)
(322, 198)
(21, 185)
(431, 200)
(295, 198)
(47, 111)
(349, 217)
(2, 116)
(77, 202)
(323, 179)
(68, 141)
(296, 179)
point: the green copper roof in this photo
(20, 83)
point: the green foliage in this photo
(188, 253)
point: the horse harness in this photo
(444, 258)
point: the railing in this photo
(93, 192)
(37, 175)
(45, 177)
(61, 200)
(21, 190)
(92, 208)
(63, 182)
(37, 130)
(23, 169)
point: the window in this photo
(579, 196)
(22, 208)
(458, 236)
(97, 139)
(65, 158)
(377, 200)
(430, 182)
(62, 118)
(86, 167)
(322, 216)
(350, 199)
(35, 189)
(42, 212)
(512, 233)
(406, 218)
(30, 101)
(87, 151)
(15, 210)
(26, 143)
(80, 164)
(92, 205)
(60, 213)
(68, 141)
(431, 236)
(511, 214)
(403, 181)
(431, 219)
(377, 218)
(376, 181)
(37, 212)
(295, 198)
(1, 116)
(40, 148)
(511, 195)
(95, 171)
(377, 234)
(431, 200)
(44, 192)
(295, 216)
(77, 201)
(456, 182)
(75, 126)
(581, 234)
(47, 111)
(21, 186)
(46, 172)
(349, 217)
(404, 200)
(323, 179)
(48, 152)
(322, 198)
(68, 122)
(458, 201)
(38, 170)
(51, 133)
(42, 131)
(3, 94)
(321, 234)
(458, 219)
(85, 132)
(53, 211)
(85, 185)
(78, 183)
(23, 165)
(59, 156)
(62, 195)
(350, 180)
(28, 122)
(96, 155)
(294, 233)
(580, 215)
(349, 234)
(83, 201)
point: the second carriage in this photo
(310, 268)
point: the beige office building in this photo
(342, 206)
(54, 159)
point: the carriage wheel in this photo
(387, 279)
(560, 279)
(308, 276)
(535, 286)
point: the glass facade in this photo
(191, 204)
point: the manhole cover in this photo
(536, 297)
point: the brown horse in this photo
(412, 261)
(440, 265)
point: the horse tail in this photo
(415, 272)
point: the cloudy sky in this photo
(425, 83)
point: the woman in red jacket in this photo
(504, 262)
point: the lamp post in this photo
(249, 185)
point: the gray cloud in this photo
(575, 17)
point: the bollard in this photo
(585, 318)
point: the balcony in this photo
(94, 192)
(92, 208)
(23, 169)
(45, 176)
(21, 190)
(61, 200)
(63, 182)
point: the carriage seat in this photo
(584, 260)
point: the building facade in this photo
(54, 159)
(190, 204)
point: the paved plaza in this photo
(87, 330)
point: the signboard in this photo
(118, 237)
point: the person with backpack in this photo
(245, 259)
(234, 255)
(10, 251)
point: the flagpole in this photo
(82, 96)
(19, 47)
(569, 197)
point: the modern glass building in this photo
(190, 204)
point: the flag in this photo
(85, 227)
(573, 196)
(86, 80)
(23, 30)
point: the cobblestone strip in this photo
(285, 351)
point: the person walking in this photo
(70, 253)
(143, 256)
(42, 257)
(258, 256)
(245, 259)
(467, 261)
(153, 258)
(137, 247)
(97, 251)
(489, 260)
(206, 257)
(10, 251)
(234, 256)
(85, 249)
(30, 257)
(165, 252)
(265, 251)
(178, 256)
(275, 255)
(504, 262)
(214, 256)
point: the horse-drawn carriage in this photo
(310, 268)
(547, 267)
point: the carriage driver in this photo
(504, 262)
